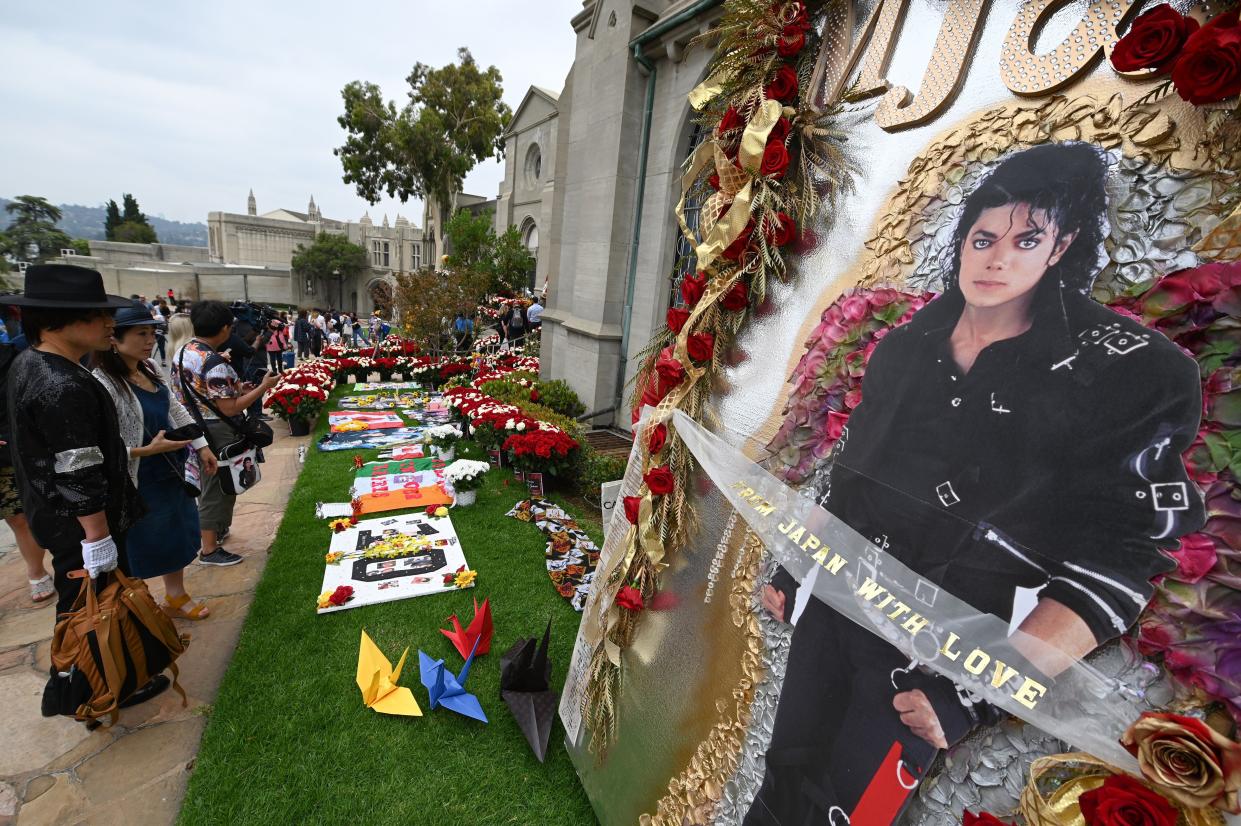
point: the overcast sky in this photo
(190, 104)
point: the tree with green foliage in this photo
(454, 118)
(512, 262)
(135, 232)
(81, 245)
(470, 242)
(330, 257)
(111, 220)
(474, 246)
(130, 211)
(32, 234)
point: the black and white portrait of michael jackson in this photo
(1018, 444)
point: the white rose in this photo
(521, 425)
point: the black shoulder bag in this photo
(238, 460)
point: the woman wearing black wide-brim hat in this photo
(72, 466)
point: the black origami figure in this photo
(525, 686)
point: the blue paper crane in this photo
(448, 690)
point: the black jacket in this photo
(67, 449)
(1056, 461)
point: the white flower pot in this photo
(351, 379)
(465, 498)
(373, 377)
(447, 454)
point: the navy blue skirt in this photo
(166, 539)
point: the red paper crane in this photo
(480, 629)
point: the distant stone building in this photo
(250, 257)
(270, 240)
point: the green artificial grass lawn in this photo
(289, 740)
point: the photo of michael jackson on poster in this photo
(1019, 445)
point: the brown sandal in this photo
(176, 608)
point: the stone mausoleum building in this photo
(592, 179)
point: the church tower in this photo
(312, 211)
(251, 206)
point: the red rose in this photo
(775, 160)
(1123, 801)
(671, 372)
(1154, 40)
(677, 318)
(692, 287)
(736, 298)
(534, 395)
(700, 346)
(968, 818)
(341, 595)
(784, 85)
(1209, 68)
(780, 132)
(660, 480)
(714, 181)
(658, 438)
(732, 120)
(737, 248)
(631, 508)
(629, 598)
(781, 230)
(792, 40)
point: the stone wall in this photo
(600, 132)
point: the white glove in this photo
(98, 557)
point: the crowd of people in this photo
(108, 457)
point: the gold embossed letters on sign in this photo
(1027, 73)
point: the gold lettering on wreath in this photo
(1026, 73)
(953, 46)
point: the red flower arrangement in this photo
(660, 480)
(1205, 62)
(676, 318)
(629, 598)
(341, 595)
(700, 346)
(658, 438)
(783, 86)
(1123, 801)
(968, 818)
(631, 504)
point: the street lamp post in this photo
(340, 290)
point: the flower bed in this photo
(301, 392)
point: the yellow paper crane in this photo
(377, 680)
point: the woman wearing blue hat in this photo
(164, 541)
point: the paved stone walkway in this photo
(52, 770)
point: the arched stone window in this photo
(530, 238)
(684, 260)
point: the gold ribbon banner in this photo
(726, 230)
(709, 89)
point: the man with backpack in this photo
(514, 323)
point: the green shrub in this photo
(597, 469)
(559, 396)
(515, 394)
